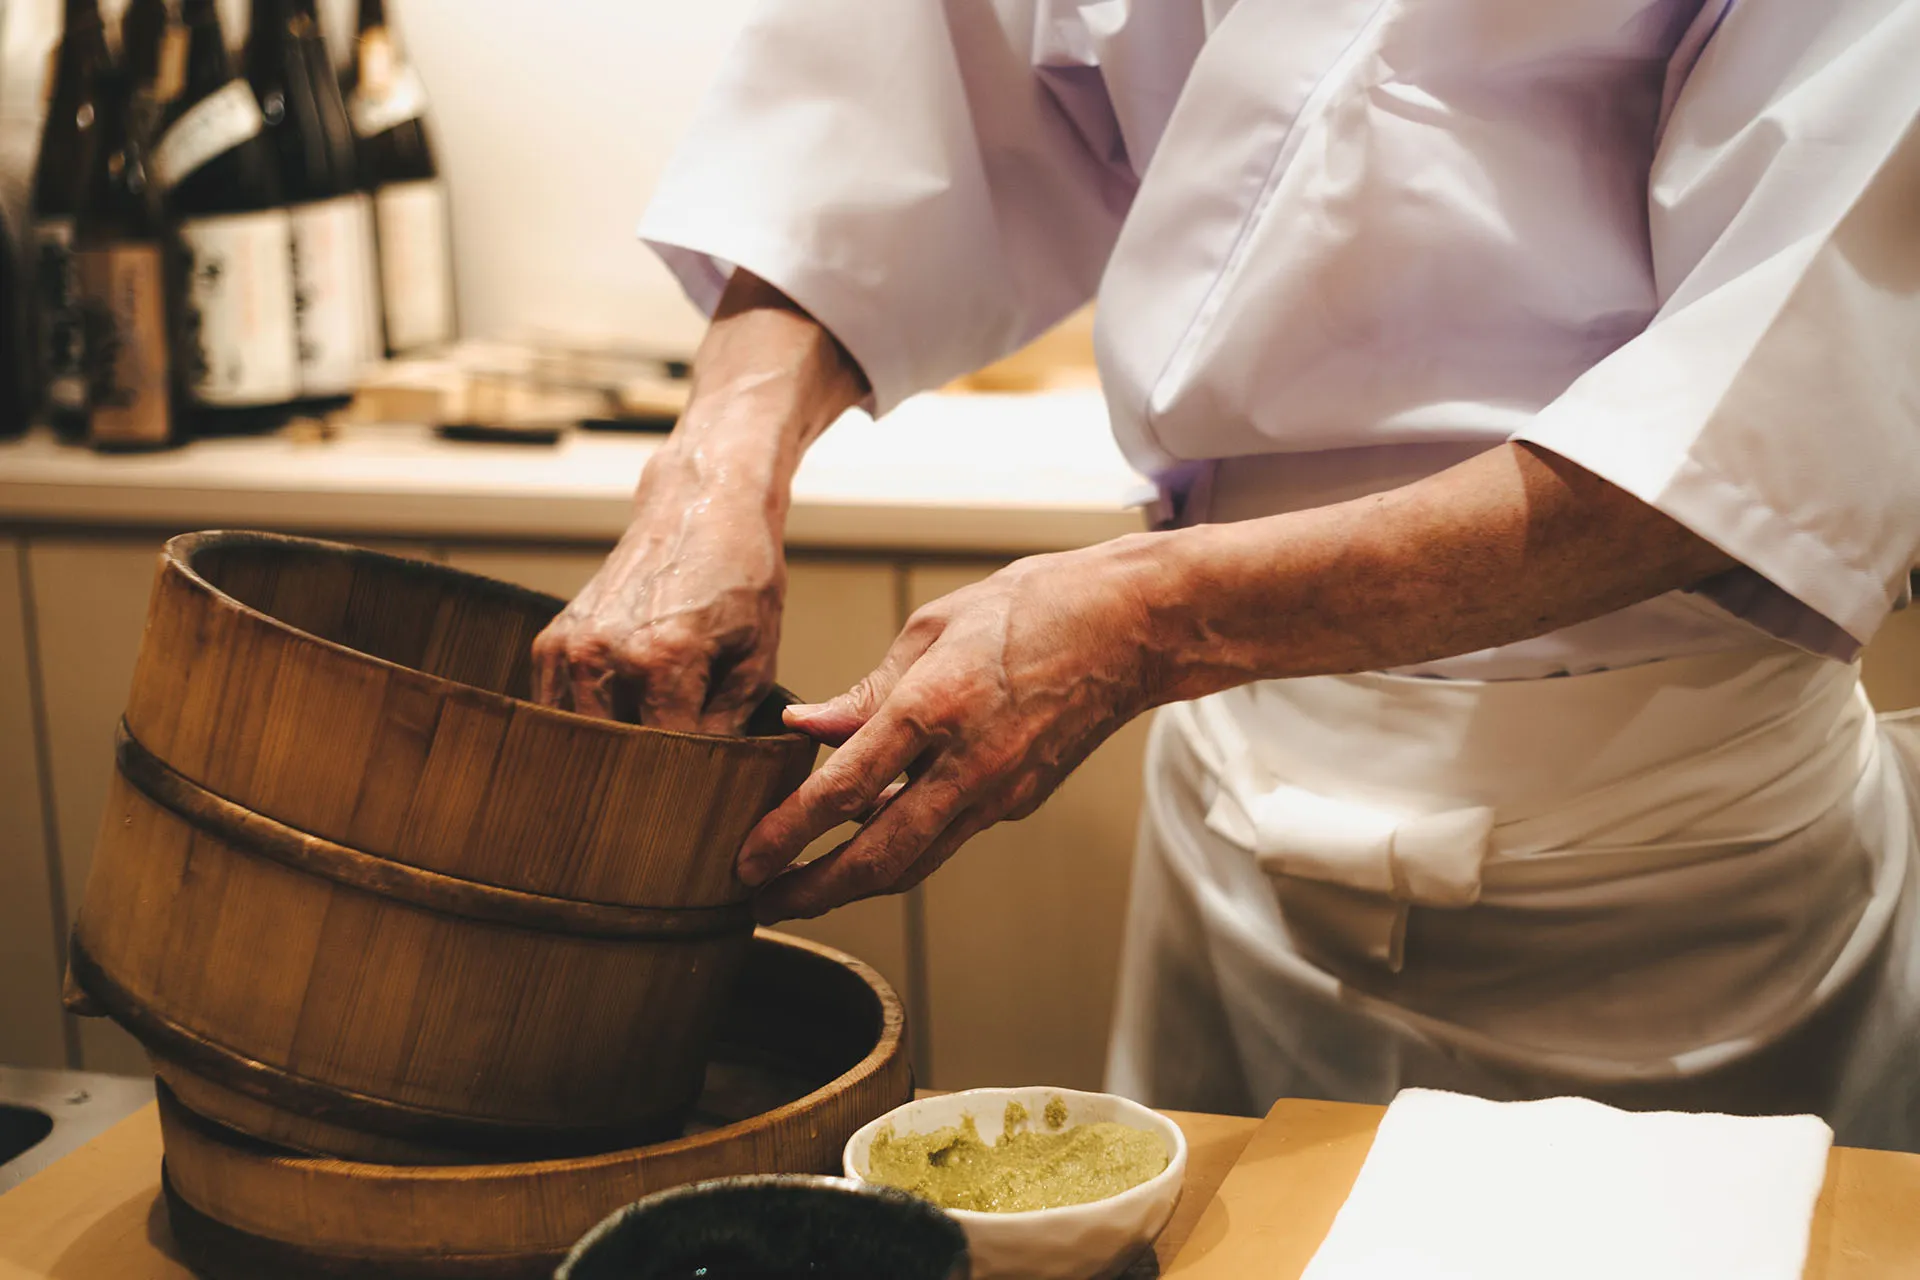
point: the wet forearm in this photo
(768, 379)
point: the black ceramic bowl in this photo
(779, 1227)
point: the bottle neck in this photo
(109, 157)
(82, 15)
(271, 15)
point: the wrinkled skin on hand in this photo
(990, 697)
(679, 628)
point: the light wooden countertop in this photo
(97, 1216)
(989, 474)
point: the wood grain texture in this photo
(481, 1031)
(1024, 924)
(346, 871)
(467, 899)
(803, 1012)
(379, 703)
(97, 1215)
(31, 1034)
(841, 615)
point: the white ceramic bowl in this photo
(1078, 1242)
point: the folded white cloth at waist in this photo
(1458, 1188)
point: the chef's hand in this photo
(987, 701)
(680, 626)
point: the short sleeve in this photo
(936, 181)
(1772, 406)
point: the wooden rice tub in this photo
(811, 1046)
(353, 881)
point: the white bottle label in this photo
(335, 298)
(405, 99)
(62, 334)
(213, 126)
(238, 347)
(416, 264)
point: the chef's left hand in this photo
(986, 701)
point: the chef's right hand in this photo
(678, 628)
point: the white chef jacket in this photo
(1671, 240)
(1340, 245)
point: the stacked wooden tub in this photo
(359, 898)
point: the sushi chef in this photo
(1533, 392)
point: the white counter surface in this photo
(959, 473)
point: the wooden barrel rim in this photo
(180, 549)
(433, 891)
(228, 1253)
(331, 1103)
(888, 1045)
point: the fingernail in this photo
(801, 710)
(753, 872)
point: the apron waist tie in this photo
(1786, 737)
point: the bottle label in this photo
(211, 127)
(62, 333)
(395, 97)
(416, 264)
(237, 339)
(335, 295)
(125, 303)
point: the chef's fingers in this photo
(837, 719)
(664, 671)
(671, 697)
(550, 676)
(587, 660)
(962, 829)
(875, 860)
(847, 785)
(733, 696)
(884, 799)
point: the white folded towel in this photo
(1459, 1188)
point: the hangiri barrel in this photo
(811, 1045)
(350, 877)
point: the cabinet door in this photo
(1023, 926)
(840, 617)
(31, 1034)
(90, 598)
(1891, 666)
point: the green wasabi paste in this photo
(1024, 1170)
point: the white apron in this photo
(1684, 883)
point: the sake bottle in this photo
(59, 181)
(120, 254)
(388, 105)
(153, 49)
(234, 330)
(334, 291)
(14, 408)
